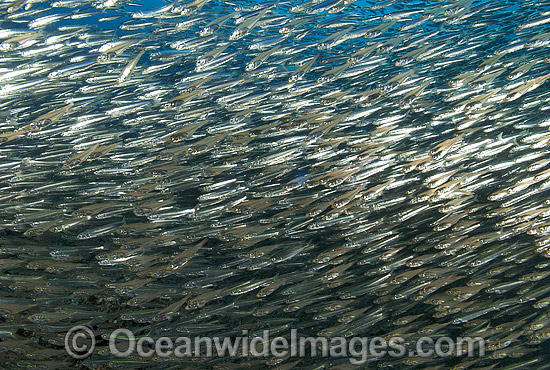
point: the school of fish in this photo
(345, 168)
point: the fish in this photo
(342, 168)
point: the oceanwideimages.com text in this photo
(80, 343)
